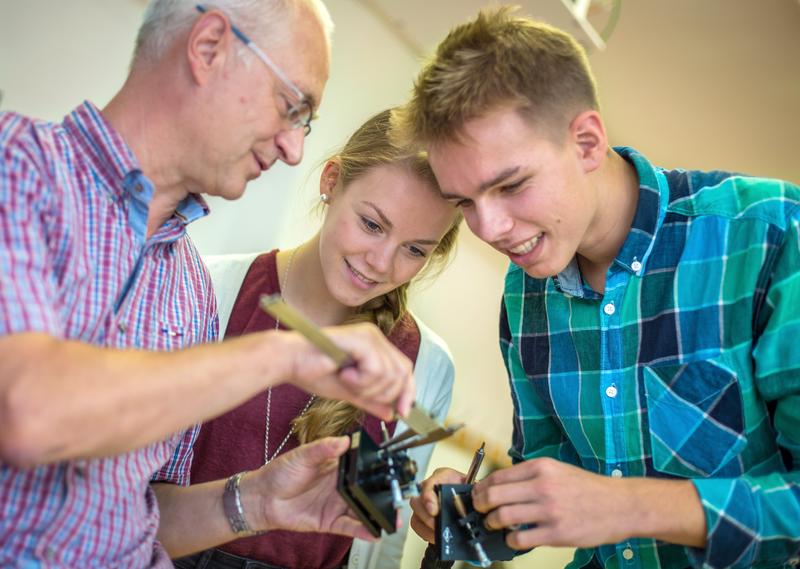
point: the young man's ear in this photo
(588, 134)
(328, 180)
(207, 45)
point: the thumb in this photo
(323, 450)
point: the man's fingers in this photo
(530, 538)
(523, 471)
(514, 515)
(425, 509)
(423, 530)
(486, 497)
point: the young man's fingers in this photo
(424, 510)
(487, 497)
(423, 530)
(514, 515)
(530, 538)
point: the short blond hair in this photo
(496, 60)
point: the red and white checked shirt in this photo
(75, 264)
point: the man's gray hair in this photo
(165, 20)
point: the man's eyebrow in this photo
(497, 180)
(501, 177)
(312, 102)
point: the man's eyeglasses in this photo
(299, 113)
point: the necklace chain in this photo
(267, 457)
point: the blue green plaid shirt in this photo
(687, 367)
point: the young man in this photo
(100, 280)
(648, 321)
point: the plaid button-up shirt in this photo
(686, 367)
(75, 264)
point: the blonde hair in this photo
(498, 59)
(370, 146)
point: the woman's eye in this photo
(370, 225)
(417, 252)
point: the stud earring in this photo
(324, 198)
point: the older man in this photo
(103, 295)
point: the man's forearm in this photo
(90, 402)
(667, 510)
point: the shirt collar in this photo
(115, 161)
(650, 211)
(106, 149)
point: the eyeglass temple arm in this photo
(260, 54)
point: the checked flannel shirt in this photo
(75, 263)
(686, 367)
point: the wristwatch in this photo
(232, 504)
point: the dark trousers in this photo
(217, 559)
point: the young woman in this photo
(384, 223)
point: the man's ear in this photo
(588, 134)
(329, 179)
(208, 45)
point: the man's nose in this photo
(490, 224)
(290, 145)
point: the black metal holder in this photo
(461, 535)
(374, 482)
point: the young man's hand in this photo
(426, 505)
(568, 506)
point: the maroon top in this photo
(234, 441)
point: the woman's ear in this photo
(328, 180)
(589, 136)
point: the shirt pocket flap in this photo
(696, 422)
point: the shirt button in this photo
(616, 473)
(122, 327)
(627, 553)
(611, 391)
(609, 309)
(636, 266)
(50, 552)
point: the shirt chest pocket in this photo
(157, 333)
(696, 423)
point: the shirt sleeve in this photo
(179, 468)
(536, 433)
(755, 519)
(27, 280)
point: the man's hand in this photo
(426, 505)
(297, 491)
(569, 506)
(381, 382)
